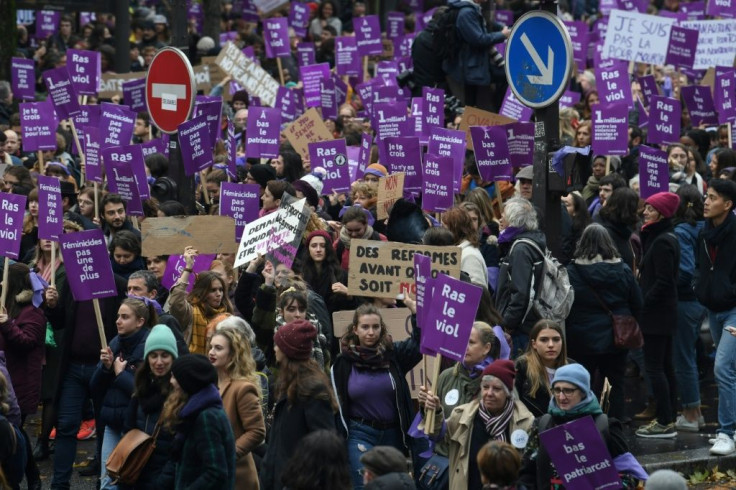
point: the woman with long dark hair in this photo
(307, 466)
(620, 216)
(322, 271)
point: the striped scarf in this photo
(198, 342)
(496, 426)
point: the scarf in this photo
(496, 426)
(714, 235)
(588, 406)
(44, 268)
(198, 343)
(207, 397)
(373, 358)
(475, 371)
(509, 233)
(345, 238)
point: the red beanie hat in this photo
(317, 233)
(665, 203)
(296, 339)
(502, 369)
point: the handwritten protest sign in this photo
(50, 212)
(390, 190)
(87, 263)
(385, 269)
(254, 79)
(653, 171)
(664, 120)
(258, 236)
(638, 37)
(716, 42)
(478, 117)
(610, 129)
(308, 128)
(12, 208)
(292, 220)
(437, 188)
(208, 234)
(23, 78)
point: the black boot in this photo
(41, 451)
(92, 468)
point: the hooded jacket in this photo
(715, 274)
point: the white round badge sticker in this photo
(519, 438)
(452, 397)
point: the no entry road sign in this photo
(170, 89)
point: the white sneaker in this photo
(685, 425)
(723, 446)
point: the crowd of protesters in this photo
(242, 373)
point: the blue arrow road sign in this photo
(538, 59)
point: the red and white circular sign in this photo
(170, 89)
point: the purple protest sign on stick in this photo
(328, 100)
(88, 115)
(699, 103)
(610, 129)
(175, 267)
(368, 35)
(50, 212)
(347, 60)
(132, 157)
(649, 88)
(682, 47)
(287, 103)
(402, 45)
(61, 92)
(311, 76)
(262, 134)
(47, 22)
(450, 317)
(422, 279)
(394, 25)
(116, 125)
(91, 146)
(134, 94)
(653, 171)
(240, 202)
(569, 99)
(299, 18)
(723, 94)
(433, 108)
(211, 109)
(520, 140)
(511, 107)
(505, 17)
(152, 146)
(613, 83)
(491, 152)
(38, 124)
(437, 192)
(305, 54)
(12, 209)
(23, 78)
(85, 71)
(404, 154)
(579, 36)
(664, 120)
(389, 119)
(276, 36)
(364, 157)
(449, 143)
(580, 456)
(196, 148)
(87, 263)
(721, 8)
(333, 157)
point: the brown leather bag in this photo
(127, 460)
(626, 332)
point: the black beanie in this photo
(262, 173)
(193, 372)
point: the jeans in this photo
(725, 369)
(658, 360)
(110, 440)
(74, 395)
(613, 367)
(363, 437)
(690, 315)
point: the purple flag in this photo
(87, 264)
(664, 120)
(116, 125)
(47, 23)
(394, 25)
(569, 99)
(276, 36)
(328, 99)
(332, 156)
(682, 47)
(91, 146)
(613, 83)
(580, 456)
(511, 107)
(240, 202)
(211, 109)
(491, 152)
(699, 103)
(175, 267)
(262, 133)
(653, 171)
(368, 35)
(723, 95)
(579, 36)
(134, 94)
(299, 18)
(445, 142)
(611, 129)
(347, 61)
(306, 54)
(450, 317)
(721, 8)
(61, 92)
(23, 78)
(520, 140)
(437, 192)
(649, 88)
(403, 154)
(131, 158)
(364, 157)
(12, 209)
(196, 148)
(84, 69)
(50, 212)
(311, 76)
(38, 124)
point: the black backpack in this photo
(445, 40)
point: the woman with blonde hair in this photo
(568, 118)
(239, 387)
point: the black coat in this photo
(658, 279)
(715, 278)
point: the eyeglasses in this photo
(564, 391)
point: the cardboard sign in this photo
(398, 324)
(385, 269)
(50, 212)
(716, 46)
(390, 190)
(637, 37)
(478, 117)
(309, 128)
(168, 236)
(12, 209)
(88, 267)
(254, 79)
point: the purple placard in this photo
(248, 11)
(643, 115)
(328, 99)
(196, 148)
(50, 212)
(262, 133)
(694, 10)
(240, 202)
(299, 18)
(61, 92)
(491, 152)
(176, 264)
(347, 61)
(88, 115)
(47, 23)
(116, 125)
(449, 143)
(23, 78)
(653, 171)
(723, 94)
(416, 116)
(210, 108)
(404, 154)
(38, 124)
(682, 47)
(12, 209)
(228, 36)
(721, 8)
(437, 193)
(422, 278)
(231, 146)
(305, 54)
(368, 35)
(580, 456)
(311, 76)
(569, 99)
(505, 17)
(579, 36)
(679, 16)
(402, 45)
(610, 129)
(341, 90)
(613, 83)
(153, 146)
(84, 70)
(332, 156)
(91, 145)
(450, 317)
(389, 119)
(130, 157)
(699, 103)
(195, 16)
(287, 103)
(664, 120)
(433, 108)
(364, 157)
(353, 153)
(520, 140)
(649, 88)
(88, 266)
(276, 36)
(134, 94)
(511, 107)
(394, 25)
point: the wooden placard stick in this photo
(100, 326)
(429, 424)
